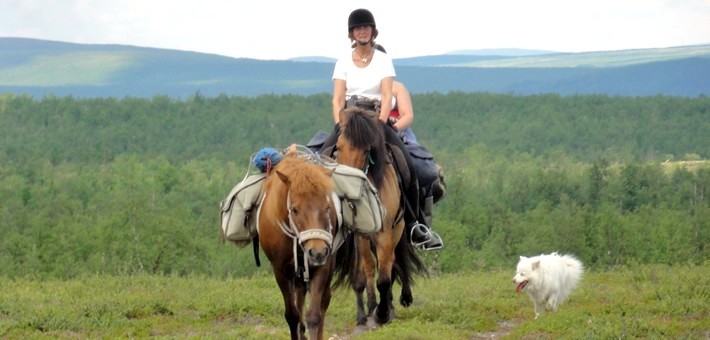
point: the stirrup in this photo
(424, 232)
(436, 246)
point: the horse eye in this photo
(294, 211)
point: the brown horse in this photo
(361, 144)
(297, 223)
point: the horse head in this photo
(309, 205)
(361, 143)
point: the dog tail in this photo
(574, 270)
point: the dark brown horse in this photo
(297, 223)
(361, 144)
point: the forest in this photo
(133, 185)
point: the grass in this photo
(649, 301)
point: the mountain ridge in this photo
(41, 67)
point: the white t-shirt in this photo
(364, 82)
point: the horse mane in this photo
(364, 131)
(305, 177)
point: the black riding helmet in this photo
(361, 17)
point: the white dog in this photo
(548, 279)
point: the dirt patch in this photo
(357, 330)
(504, 329)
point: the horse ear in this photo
(283, 177)
(329, 172)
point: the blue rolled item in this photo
(264, 156)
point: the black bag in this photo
(317, 141)
(427, 171)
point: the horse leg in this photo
(320, 300)
(358, 280)
(368, 268)
(385, 261)
(291, 312)
(405, 297)
(300, 290)
(399, 239)
(325, 303)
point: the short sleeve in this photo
(340, 70)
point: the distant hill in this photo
(504, 52)
(39, 68)
(314, 59)
(595, 59)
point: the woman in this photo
(368, 73)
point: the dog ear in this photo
(535, 265)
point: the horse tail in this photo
(346, 261)
(406, 264)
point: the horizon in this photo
(277, 30)
(511, 51)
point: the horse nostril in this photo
(314, 252)
(319, 254)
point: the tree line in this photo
(122, 186)
(65, 129)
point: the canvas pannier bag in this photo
(239, 210)
(362, 208)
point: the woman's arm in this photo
(338, 98)
(404, 105)
(386, 103)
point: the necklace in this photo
(364, 59)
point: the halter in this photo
(299, 237)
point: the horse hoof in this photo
(361, 319)
(382, 319)
(406, 300)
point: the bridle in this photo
(299, 237)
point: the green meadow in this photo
(645, 301)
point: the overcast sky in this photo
(282, 29)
